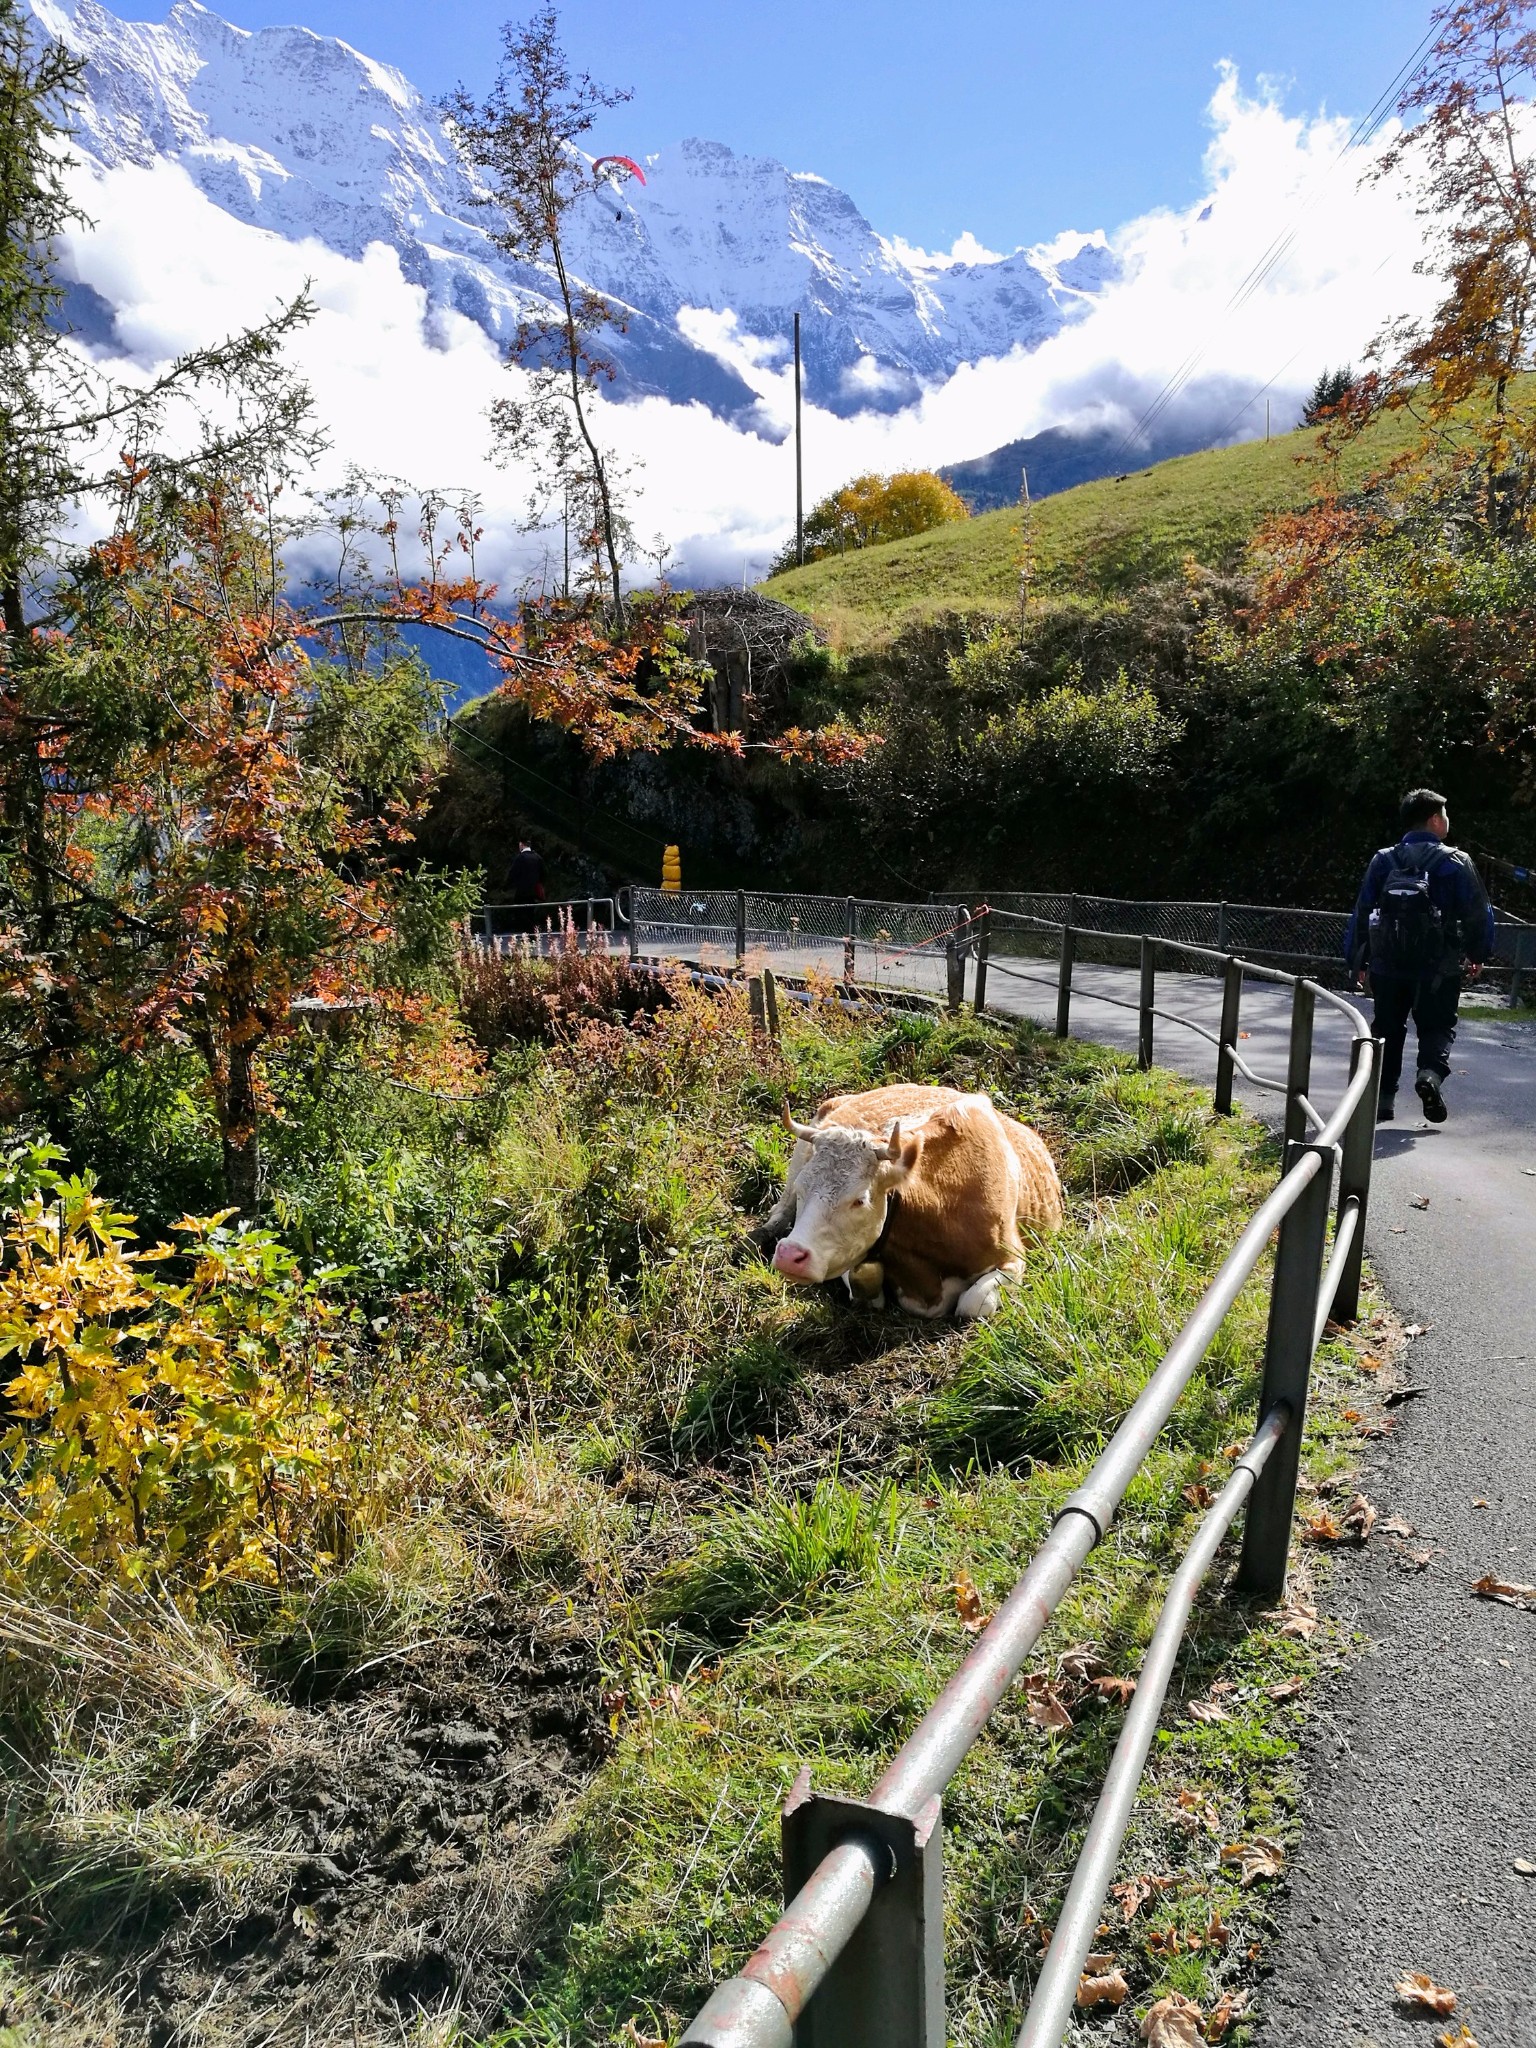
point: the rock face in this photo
(304, 136)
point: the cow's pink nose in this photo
(791, 1257)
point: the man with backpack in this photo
(1421, 912)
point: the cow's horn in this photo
(805, 1131)
(893, 1149)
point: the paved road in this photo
(1421, 1756)
(1421, 1759)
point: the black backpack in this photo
(1408, 934)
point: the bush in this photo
(512, 996)
(166, 1427)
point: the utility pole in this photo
(1266, 419)
(799, 470)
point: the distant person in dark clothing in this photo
(527, 878)
(527, 875)
(1422, 911)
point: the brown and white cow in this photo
(922, 1189)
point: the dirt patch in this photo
(404, 1832)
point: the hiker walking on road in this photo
(527, 879)
(1421, 912)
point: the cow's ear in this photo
(904, 1165)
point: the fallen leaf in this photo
(1117, 1689)
(633, 2035)
(1081, 1662)
(1218, 1934)
(1419, 1202)
(1462, 2038)
(1525, 1868)
(1133, 1893)
(1368, 1362)
(1322, 1528)
(1198, 1496)
(1043, 1703)
(1232, 1452)
(1510, 1591)
(1174, 2022)
(1359, 1518)
(1352, 1415)
(1398, 1229)
(1287, 1689)
(1479, 1503)
(1399, 1395)
(1206, 1710)
(1245, 1034)
(1417, 1989)
(1259, 1858)
(1299, 1619)
(973, 1616)
(1419, 1559)
(1100, 1984)
(1394, 1525)
(1229, 2007)
(1417, 1329)
(1372, 1430)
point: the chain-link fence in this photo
(903, 945)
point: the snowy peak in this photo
(306, 137)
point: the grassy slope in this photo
(741, 1514)
(1099, 538)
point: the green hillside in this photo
(1102, 537)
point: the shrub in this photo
(163, 1426)
(520, 996)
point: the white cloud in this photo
(966, 249)
(399, 397)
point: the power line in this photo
(1280, 245)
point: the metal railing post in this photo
(954, 961)
(1356, 1155)
(983, 954)
(850, 939)
(1064, 980)
(1221, 927)
(741, 929)
(1288, 1352)
(1231, 1016)
(634, 929)
(1148, 998)
(1298, 1073)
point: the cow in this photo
(924, 1189)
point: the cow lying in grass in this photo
(924, 1190)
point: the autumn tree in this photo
(524, 141)
(872, 509)
(1327, 394)
(1466, 146)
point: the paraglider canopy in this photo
(627, 161)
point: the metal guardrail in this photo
(493, 922)
(857, 1958)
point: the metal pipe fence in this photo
(856, 1960)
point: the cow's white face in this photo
(842, 1191)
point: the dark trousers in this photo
(1431, 1002)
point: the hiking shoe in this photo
(1384, 1110)
(1427, 1088)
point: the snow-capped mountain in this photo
(306, 137)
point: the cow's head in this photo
(841, 1195)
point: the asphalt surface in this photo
(1420, 1756)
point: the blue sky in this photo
(1010, 118)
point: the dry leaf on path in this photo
(1359, 1518)
(1394, 1525)
(1100, 1984)
(1419, 1202)
(1174, 2022)
(1117, 1689)
(1417, 1329)
(1322, 1527)
(1525, 1868)
(1261, 1857)
(1133, 1893)
(1287, 1689)
(1462, 2037)
(1229, 2007)
(1043, 1703)
(1417, 1989)
(1368, 1362)
(1206, 1710)
(1510, 1592)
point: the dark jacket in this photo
(527, 876)
(1455, 889)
